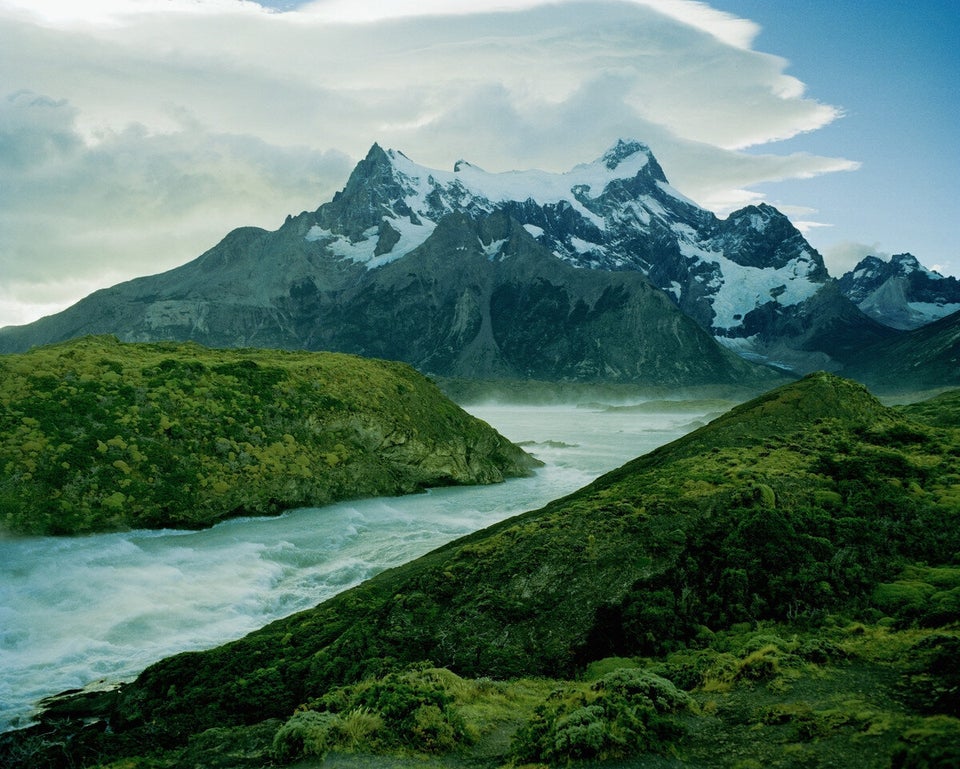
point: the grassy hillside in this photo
(98, 435)
(926, 357)
(942, 410)
(778, 588)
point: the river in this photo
(78, 610)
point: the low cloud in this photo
(135, 134)
(843, 257)
(76, 216)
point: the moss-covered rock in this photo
(98, 435)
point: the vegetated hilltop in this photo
(779, 587)
(942, 410)
(99, 435)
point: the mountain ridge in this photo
(751, 281)
(900, 292)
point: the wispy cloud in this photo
(134, 133)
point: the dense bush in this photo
(306, 733)
(405, 709)
(932, 684)
(96, 435)
(627, 712)
(935, 744)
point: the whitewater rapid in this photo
(74, 611)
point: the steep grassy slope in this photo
(926, 357)
(943, 410)
(98, 435)
(792, 566)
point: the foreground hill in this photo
(99, 435)
(699, 597)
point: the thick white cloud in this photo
(135, 133)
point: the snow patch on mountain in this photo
(901, 292)
(616, 213)
(927, 312)
(363, 251)
(585, 246)
(744, 289)
(494, 249)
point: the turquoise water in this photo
(102, 608)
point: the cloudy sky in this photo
(135, 133)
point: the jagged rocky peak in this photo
(908, 263)
(391, 205)
(900, 292)
(761, 236)
(629, 148)
(875, 269)
(462, 164)
(618, 212)
(372, 191)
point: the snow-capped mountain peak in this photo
(519, 274)
(618, 212)
(900, 292)
(626, 148)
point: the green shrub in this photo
(582, 733)
(625, 713)
(433, 731)
(760, 665)
(893, 598)
(820, 651)
(687, 669)
(932, 683)
(306, 733)
(935, 744)
(409, 709)
(356, 729)
(633, 684)
(599, 668)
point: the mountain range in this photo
(901, 293)
(603, 273)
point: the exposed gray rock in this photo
(576, 276)
(901, 293)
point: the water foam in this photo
(77, 610)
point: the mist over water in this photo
(78, 610)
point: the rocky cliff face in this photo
(901, 293)
(472, 273)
